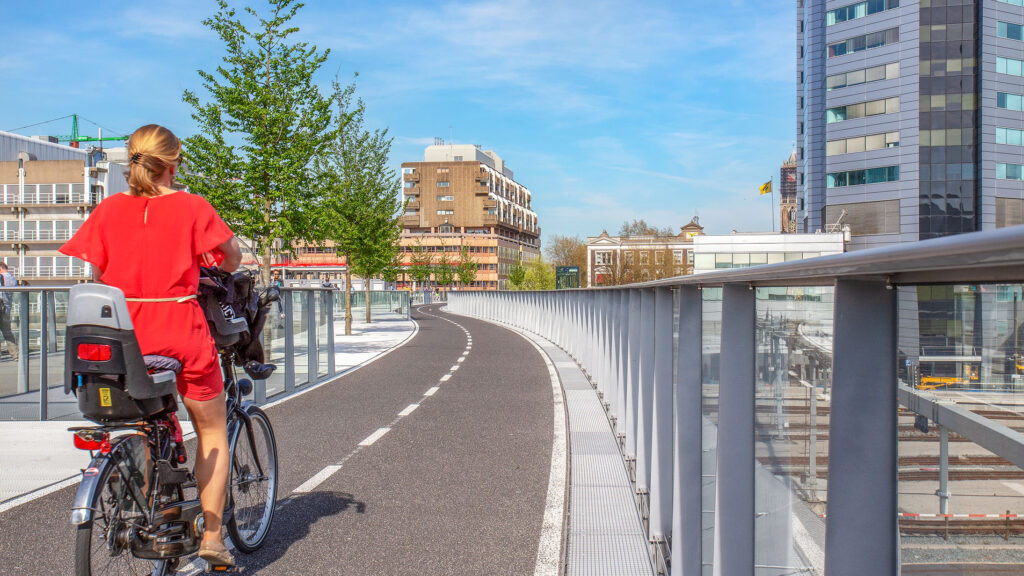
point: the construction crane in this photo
(75, 138)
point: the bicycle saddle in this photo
(155, 362)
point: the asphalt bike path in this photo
(432, 460)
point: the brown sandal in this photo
(216, 554)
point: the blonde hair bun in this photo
(152, 150)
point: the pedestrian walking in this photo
(6, 308)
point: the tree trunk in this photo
(366, 287)
(348, 296)
(265, 268)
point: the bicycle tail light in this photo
(94, 352)
(90, 441)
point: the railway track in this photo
(1005, 527)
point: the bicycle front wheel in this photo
(253, 481)
(102, 545)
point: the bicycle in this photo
(131, 511)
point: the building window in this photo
(853, 111)
(442, 171)
(445, 212)
(859, 177)
(1009, 101)
(1011, 31)
(1009, 136)
(859, 10)
(855, 77)
(865, 42)
(645, 258)
(1014, 2)
(443, 184)
(458, 158)
(409, 184)
(448, 198)
(1009, 172)
(1009, 66)
(862, 143)
(659, 258)
(408, 170)
(677, 257)
(603, 258)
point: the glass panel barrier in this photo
(961, 504)
(794, 358)
(300, 330)
(711, 341)
(274, 344)
(323, 346)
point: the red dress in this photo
(149, 248)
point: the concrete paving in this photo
(440, 466)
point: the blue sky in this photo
(607, 110)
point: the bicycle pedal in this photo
(222, 569)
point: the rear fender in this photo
(81, 511)
(132, 449)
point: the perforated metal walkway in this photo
(605, 533)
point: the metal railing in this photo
(299, 336)
(752, 403)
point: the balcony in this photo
(414, 191)
(414, 177)
(411, 220)
(38, 273)
(490, 203)
(490, 220)
(49, 199)
(483, 177)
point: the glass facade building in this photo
(934, 90)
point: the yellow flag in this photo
(766, 188)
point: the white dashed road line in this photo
(312, 483)
(408, 409)
(432, 391)
(446, 377)
(375, 436)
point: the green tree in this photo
(420, 265)
(516, 276)
(539, 275)
(263, 125)
(466, 267)
(359, 209)
(444, 269)
(568, 251)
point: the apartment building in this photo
(47, 191)
(614, 260)
(464, 196)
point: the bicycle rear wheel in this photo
(253, 489)
(101, 545)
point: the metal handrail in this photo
(648, 370)
(976, 257)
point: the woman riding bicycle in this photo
(147, 242)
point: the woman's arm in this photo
(232, 255)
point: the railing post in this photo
(633, 387)
(289, 341)
(863, 536)
(51, 302)
(687, 449)
(645, 395)
(24, 318)
(313, 352)
(622, 354)
(661, 423)
(44, 350)
(332, 368)
(735, 494)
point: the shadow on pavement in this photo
(292, 523)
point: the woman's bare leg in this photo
(209, 417)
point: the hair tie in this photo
(136, 157)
